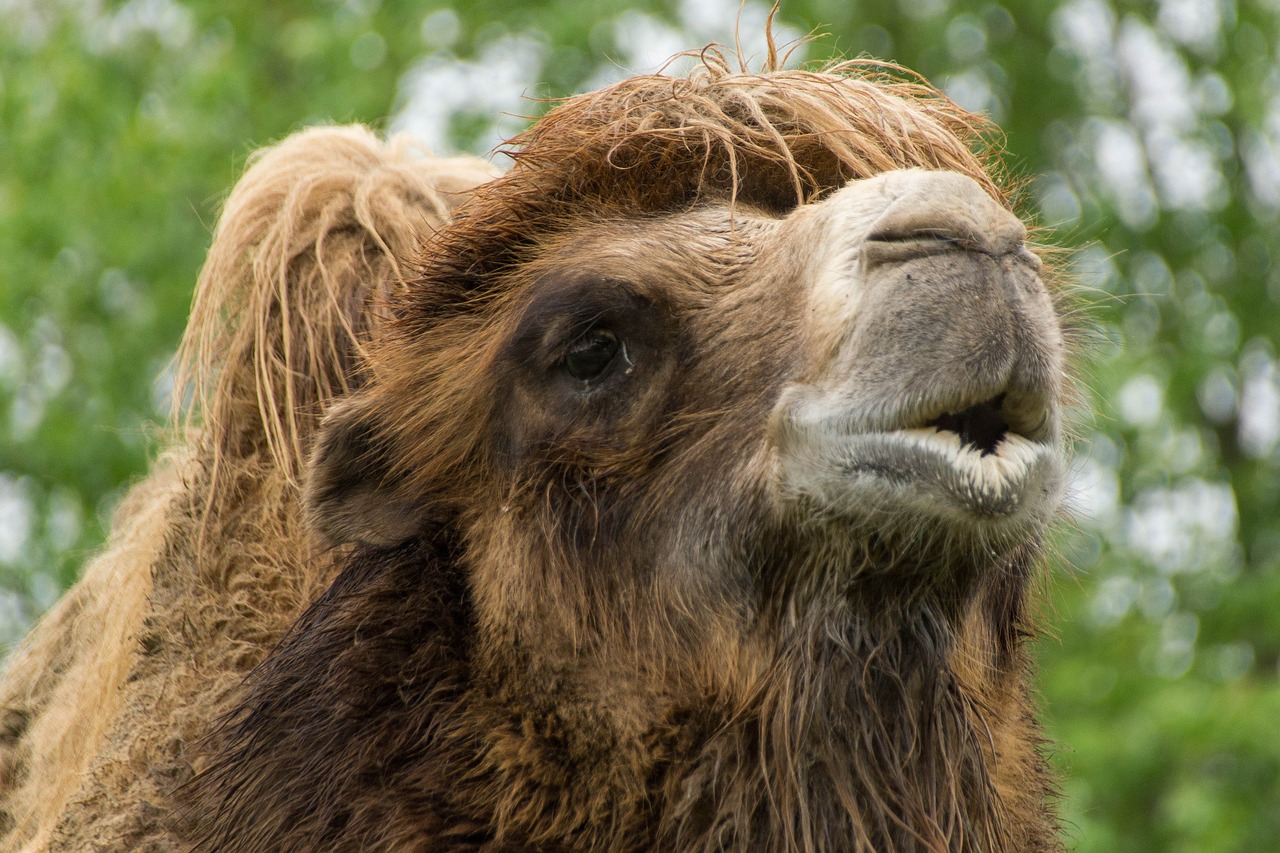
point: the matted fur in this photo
(279, 311)
(209, 561)
(427, 734)
(386, 718)
(62, 688)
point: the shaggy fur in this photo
(209, 562)
(589, 630)
(62, 689)
(535, 626)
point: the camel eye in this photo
(591, 354)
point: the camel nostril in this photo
(946, 210)
(915, 235)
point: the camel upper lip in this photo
(985, 424)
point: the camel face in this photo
(884, 362)
(730, 489)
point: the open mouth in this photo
(981, 427)
(995, 461)
(985, 459)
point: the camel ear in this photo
(351, 493)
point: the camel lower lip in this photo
(987, 484)
(917, 473)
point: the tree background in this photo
(1151, 135)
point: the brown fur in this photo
(588, 628)
(209, 562)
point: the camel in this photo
(684, 487)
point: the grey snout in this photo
(948, 209)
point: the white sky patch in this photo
(1218, 396)
(1183, 528)
(496, 83)
(711, 19)
(1114, 598)
(716, 20)
(923, 10)
(441, 29)
(64, 519)
(1260, 151)
(966, 38)
(1158, 148)
(1159, 82)
(1262, 160)
(43, 589)
(644, 45)
(14, 620)
(972, 90)
(493, 86)
(1086, 28)
(1141, 400)
(30, 20)
(122, 297)
(1259, 416)
(1093, 492)
(16, 518)
(1195, 23)
(1057, 201)
(46, 375)
(1164, 110)
(1221, 333)
(163, 387)
(1213, 94)
(1095, 266)
(1187, 172)
(645, 42)
(53, 369)
(110, 31)
(1150, 274)
(1121, 162)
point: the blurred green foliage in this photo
(1150, 133)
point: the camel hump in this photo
(316, 227)
(319, 224)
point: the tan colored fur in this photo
(78, 659)
(209, 562)
(278, 333)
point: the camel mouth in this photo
(982, 426)
(981, 470)
(990, 461)
(986, 459)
